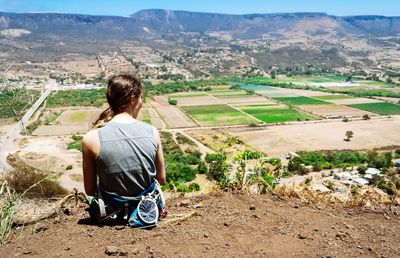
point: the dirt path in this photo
(222, 226)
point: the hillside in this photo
(226, 225)
(165, 21)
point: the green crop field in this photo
(146, 116)
(253, 105)
(217, 115)
(220, 87)
(379, 108)
(255, 87)
(301, 101)
(95, 97)
(236, 95)
(277, 115)
(329, 97)
(78, 116)
(189, 95)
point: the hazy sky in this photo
(127, 7)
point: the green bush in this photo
(202, 168)
(218, 168)
(193, 187)
(172, 102)
(69, 167)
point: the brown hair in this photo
(120, 90)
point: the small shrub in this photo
(69, 167)
(202, 168)
(43, 186)
(173, 102)
(181, 139)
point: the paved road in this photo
(13, 132)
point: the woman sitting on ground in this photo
(124, 154)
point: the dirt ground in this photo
(197, 101)
(353, 101)
(224, 225)
(310, 136)
(174, 117)
(50, 154)
(334, 110)
(64, 126)
(248, 100)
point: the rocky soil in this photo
(223, 225)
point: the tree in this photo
(349, 135)
(366, 117)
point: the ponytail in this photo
(104, 118)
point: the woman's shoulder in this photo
(91, 138)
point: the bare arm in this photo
(160, 166)
(90, 152)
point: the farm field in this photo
(301, 101)
(144, 115)
(92, 97)
(331, 111)
(255, 87)
(276, 115)
(174, 117)
(379, 108)
(350, 101)
(155, 119)
(218, 115)
(70, 122)
(281, 139)
(198, 101)
(187, 95)
(256, 100)
(220, 87)
(336, 96)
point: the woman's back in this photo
(126, 161)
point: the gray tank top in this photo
(126, 162)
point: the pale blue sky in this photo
(127, 7)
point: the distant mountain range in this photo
(157, 22)
(264, 40)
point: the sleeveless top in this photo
(126, 162)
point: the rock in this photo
(122, 252)
(27, 252)
(340, 235)
(301, 236)
(369, 249)
(111, 250)
(206, 235)
(199, 205)
(252, 207)
(119, 227)
(67, 248)
(41, 227)
(349, 226)
(67, 211)
(226, 224)
(183, 203)
(149, 250)
(296, 206)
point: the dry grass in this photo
(368, 197)
(39, 183)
